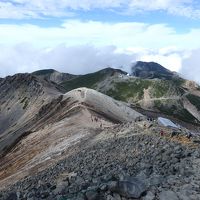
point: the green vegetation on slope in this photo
(195, 100)
(43, 72)
(174, 108)
(129, 89)
(178, 81)
(134, 89)
(88, 80)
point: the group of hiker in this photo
(176, 133)
(95, 119)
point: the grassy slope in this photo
(132, 91)
(43, 72)
(87, 80)
(195, 100)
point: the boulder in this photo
(12, 196)
(91, 195)
(129, 187)
(149, 196)
(166, 195)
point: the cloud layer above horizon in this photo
(76, 37)
(21, 9)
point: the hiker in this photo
(189, 134)
(161, 133)
(173, 133)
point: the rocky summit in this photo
(99, 137)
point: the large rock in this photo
(12, 196)
(129, 187)
(166, 195)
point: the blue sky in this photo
(84, 36)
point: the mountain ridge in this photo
(53, 75)
(85, 138)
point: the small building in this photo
(167, 123)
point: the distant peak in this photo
(44, 72)
(53, 75)
(151, 70)
(150, 65)
(113, 70)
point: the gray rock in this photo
(103, 187)
(61, 186)
(80, 196)
(155, 180)
(183, 196)
(12, 196)
(109, 197)
(129, 187)
(168, 195)
(91, 195)
(116, 196)
(149, 196)
(44, 195)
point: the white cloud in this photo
(74, 59)
(122, 35)
(19, 9)
(90, 45)
(176, 7)
(173, 61)
(37, 8)
(191, 66)
(87, 58)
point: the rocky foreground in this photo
(126, 161)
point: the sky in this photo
(84, 36)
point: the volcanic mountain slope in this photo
(126, 161)
(152, 88)
(64, 121)
(85, 145)
(151, 70)
(21, 97)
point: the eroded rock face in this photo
(21, 97)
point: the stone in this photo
(110, 197)
(12, 196)
(149, 196)
(103, 187)
(44, 195)
(80, 196)
(61, 186)
(116, 196)
(155, 180)
(129, 187)
(91, 195)
(166, 195)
